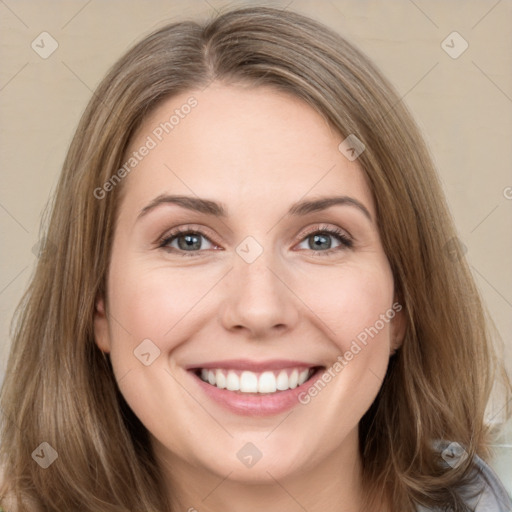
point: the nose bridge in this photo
(258, 277)
(258, 298)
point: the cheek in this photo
(151, 308)
(155, 303)
(355, 305)
(349, 301)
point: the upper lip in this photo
(254, 366)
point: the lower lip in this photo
(252, 404)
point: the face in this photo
(247, 280)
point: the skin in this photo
(257, 151)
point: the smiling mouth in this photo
(259, 383)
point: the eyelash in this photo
(343, 238)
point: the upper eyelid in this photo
(324, 227)
(174, 232)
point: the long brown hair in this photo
(59, 388)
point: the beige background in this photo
(463, 105)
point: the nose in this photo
(258, 300)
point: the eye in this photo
(185, 240)
(319, 239)
(189, 242)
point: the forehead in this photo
(239, 145)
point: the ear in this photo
(101, 330)
(398, 326)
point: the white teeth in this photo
(220, 379)
(267, 383)
(232, 382)
(248, 382)
(303, 377)
(282, 381)
(294, 377)
(251, 382)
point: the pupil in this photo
(318, 241)
(191, 241)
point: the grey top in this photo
(487, 494)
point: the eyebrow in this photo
(215, 209)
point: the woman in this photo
(249, 301)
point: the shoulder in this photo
(485, 492)
(491, 494)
